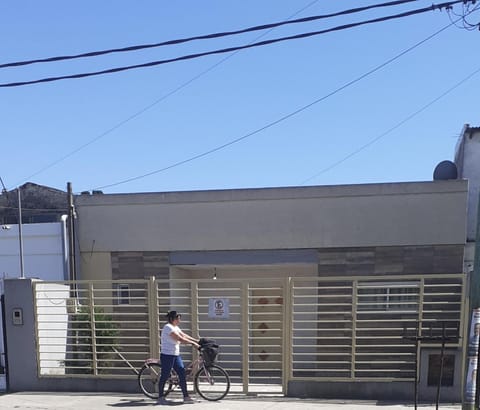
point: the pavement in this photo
(112, 401)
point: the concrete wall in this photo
(467, 158)
(22, 354)
(398, 391)
(277, 218)
(96, 265)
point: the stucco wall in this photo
(277, 218)
(468, 162)
(96, 265)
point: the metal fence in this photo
(270, 331)
(360, 328)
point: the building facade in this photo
(393, 248)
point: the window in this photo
(384, 296)
(123, 294)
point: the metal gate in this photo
(271, 331)
(106, 329)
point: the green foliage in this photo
(80, 352)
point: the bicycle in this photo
(210, 381)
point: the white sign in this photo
(218, 308)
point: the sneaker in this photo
(162, 401)
(188, 400)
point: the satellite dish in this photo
(445, 170)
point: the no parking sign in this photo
(218, 308)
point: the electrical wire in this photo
(230, 49)
(396, 126)
(205, 36)
(281, 119)
(466, 10)
(164, 97)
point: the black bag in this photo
(208, 350)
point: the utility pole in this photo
(20, 238)
(71, 236)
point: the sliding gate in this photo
(270, 331)
(107, 329)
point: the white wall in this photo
(52, 322)
(44, 252)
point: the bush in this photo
(80, 349)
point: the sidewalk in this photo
(112, 401)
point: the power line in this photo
(165, 96)
(465, 24)
(281, 119)
(205, 36)
(398, 125)
(230, 49)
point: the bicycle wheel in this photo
(212, 383)
(148, 380)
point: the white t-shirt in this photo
(169, 344)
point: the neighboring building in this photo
(467, 159)
(45, 251)
(40, 204)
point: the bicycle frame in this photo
(190, 370)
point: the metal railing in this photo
(353, 328)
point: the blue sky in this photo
(120, 126)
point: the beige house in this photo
(326, 284)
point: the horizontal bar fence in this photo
(354, 328)
(269, 330)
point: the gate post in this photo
(245, 337)
(194, 304)
(354, 328)
(152, 305)
(194, 314)
(287, 333)
(91, 308)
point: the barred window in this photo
(123, 294)
(387, 296)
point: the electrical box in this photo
(17, 316)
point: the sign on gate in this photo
(218, 308)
